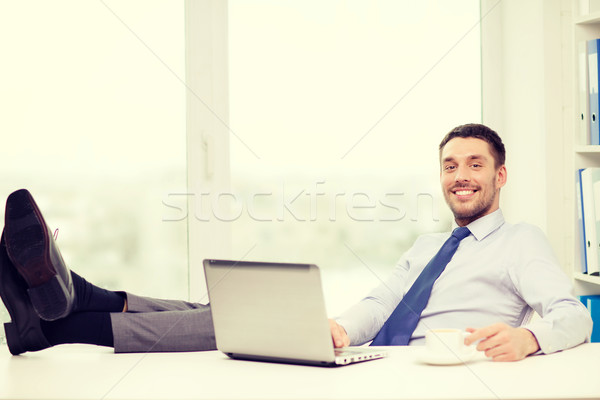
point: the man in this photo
(497, 276)
(497, 272)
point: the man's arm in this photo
(502, 342)
(540, 281)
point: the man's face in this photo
(470, 180)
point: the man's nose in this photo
(462, 174)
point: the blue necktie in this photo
(399, 327)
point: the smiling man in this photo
(497, 276)
(492, 278)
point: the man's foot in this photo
(23, 333)
(35, 255)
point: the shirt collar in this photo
(482, 227)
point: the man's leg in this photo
(80, 327)
(35, 282)
(150, 325)
(92, 298)
(28, 332)
(160, 331)
(153, 325)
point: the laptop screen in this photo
(269, 309)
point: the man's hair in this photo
(478, 131)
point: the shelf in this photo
(587, 149)
(586, 278)
(590, 19)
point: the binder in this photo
(596, 252)
(590, 192)
(580, 224)
(592, 302)
(592, 64)
(584, 109)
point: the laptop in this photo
(274, 312)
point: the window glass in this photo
(93, 124)
(338, 108)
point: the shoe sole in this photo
(28, 248)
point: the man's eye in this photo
(449, 167)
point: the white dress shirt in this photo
(498, 274)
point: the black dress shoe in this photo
(35, 255)
(23, 333)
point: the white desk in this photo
(87, 372)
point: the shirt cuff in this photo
(546, 338)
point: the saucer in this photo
(443, 359)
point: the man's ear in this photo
(501, 176)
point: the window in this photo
(93, 125)
(338, 108)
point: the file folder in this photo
(590, 191)
(584, 111)
(592, 52)
(581, 224)
(592, 302)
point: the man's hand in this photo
(503, 343)
(338, 334)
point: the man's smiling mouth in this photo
(464, 192)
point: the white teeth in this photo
(463, 192)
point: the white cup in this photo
(448, 344)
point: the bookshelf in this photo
(581, 154)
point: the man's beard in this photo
(479, 209)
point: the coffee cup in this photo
(448, 344)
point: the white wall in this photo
(525, 82)
(521, 88)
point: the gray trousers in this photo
(154, 325)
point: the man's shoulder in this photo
(523, 235)
(523, 229)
